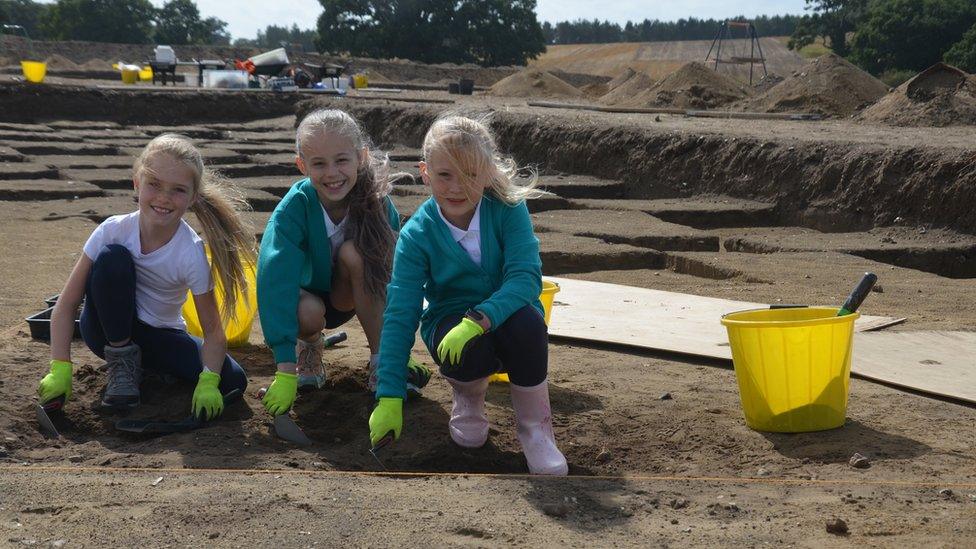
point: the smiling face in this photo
(457, 193)
(166, 189)
(331, 162)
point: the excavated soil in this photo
(658, 442)
(828, 85)
(693, 86)
(533, 83)
(941, 95)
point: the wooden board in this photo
(653, 319)
(940, 363)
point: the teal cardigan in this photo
(295, 253)
(430, 264)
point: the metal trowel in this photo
(286, 428)
(387, 439)
(44, 420)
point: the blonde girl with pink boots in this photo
(471, 252)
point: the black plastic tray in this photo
(40, 324)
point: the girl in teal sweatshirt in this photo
(471, 252)
(326, 254)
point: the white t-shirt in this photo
(163, 276)
(337, 233)
(470, 239)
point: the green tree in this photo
(501, 32)
(178, 22)
(119, 21)
(833, 20)
(25, 13)
(431, 31)
(963, 53)
(909, 34)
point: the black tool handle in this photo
(54, 404)
(335, 339)
(858, 294)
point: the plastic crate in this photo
(40, 324)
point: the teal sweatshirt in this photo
(430, 264)
(295, 254)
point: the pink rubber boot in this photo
(534, 419)
(469, 422)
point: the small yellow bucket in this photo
(549, 291)
(34, 71)
(130, 76)
(359, 81)
(146, 73)
(238, 329)
(793, 367)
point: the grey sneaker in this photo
(311, 371)
(124, 376)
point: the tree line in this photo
(890, 36)
(118, 21)
(582, 31)
(881, 36)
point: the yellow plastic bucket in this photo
(34, 71)
(238, 329)
(146, 73)
(549, 291)
(359, 81)
(793, 367)
(130, 76)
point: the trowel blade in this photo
(286, 428)
(45, 421)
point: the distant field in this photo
(658, 59)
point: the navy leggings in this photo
(110, 315)
(520, 347)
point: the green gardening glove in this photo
(452, 346)
(281, 394)
(208, 403)
(57, 382)
(386, 417)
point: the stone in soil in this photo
(837, 526)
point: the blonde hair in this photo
(470, 147)
(216, 204)
(369, 226)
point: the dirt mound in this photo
(59, 62)
(374, 76)
(620, 79)
(533, 83)
(627, 87)
(692, 86)
(95, 65)
(941, 95)
(828, 85)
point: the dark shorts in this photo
(333, 317)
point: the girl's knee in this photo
(114, 260)
(311, 312)
(350, 257)
(528, 321)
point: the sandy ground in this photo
(648, 469)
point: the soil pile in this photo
(692, 86)
(828, 85)
(941, 95)
(59, 62)
(627, 87)
(534, 83)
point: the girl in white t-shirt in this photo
(134, 275)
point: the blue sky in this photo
(246, 17)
